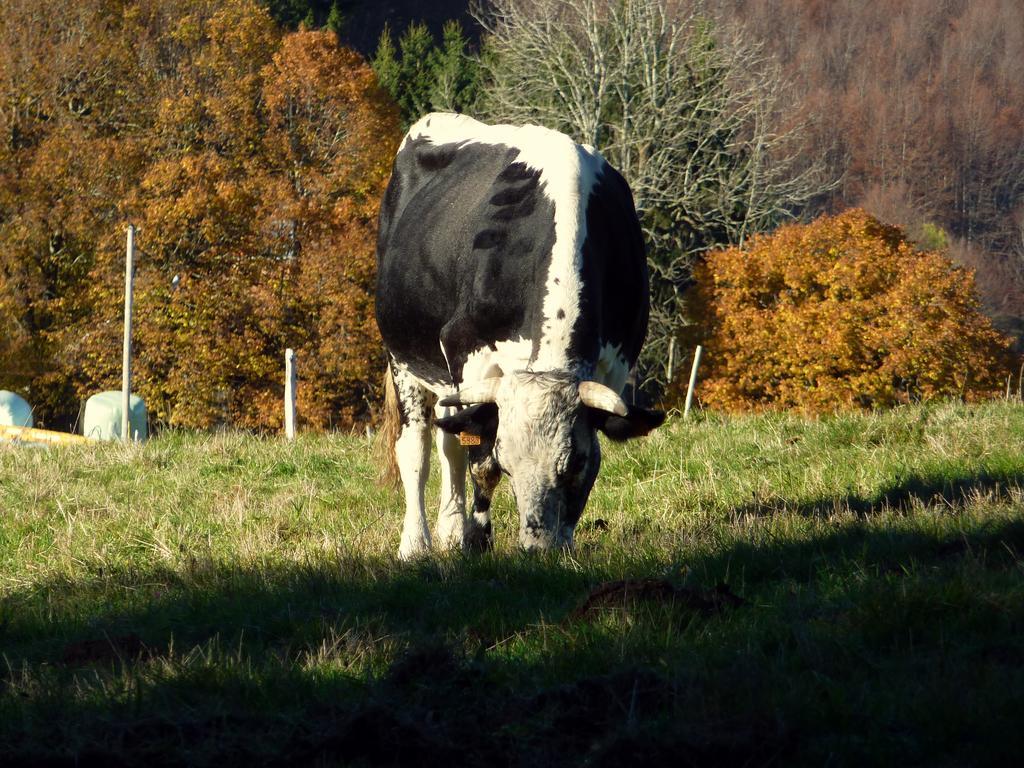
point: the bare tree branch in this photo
(682, 109)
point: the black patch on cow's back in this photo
(463, 251)
(515, 195)
(614, 305)
(517, 172)
(434, 158)
(489, 238)
(521, 209)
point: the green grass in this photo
(225, 599)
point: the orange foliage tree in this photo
(842, 312)
(66, 158)
(918, 106)
(251, 162)
(333, 141)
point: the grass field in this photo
(844, 591)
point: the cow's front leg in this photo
(451, 513)
(485, 473)
(412, 453)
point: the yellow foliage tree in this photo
(843, 312)
(333, 138)
(252, 163)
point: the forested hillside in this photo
(250, 142)
(918, 107)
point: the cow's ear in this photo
(636, 423)
(480, 420)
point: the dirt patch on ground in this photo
(103, 649)
(628, 592)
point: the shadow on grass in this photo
(953, 491)
(902, 646)
(470, 661)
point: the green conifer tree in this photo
(422, 76)
(455, 72)
(415, 71)
(385, 64)
(336, 20)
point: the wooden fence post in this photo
(693, 381)
(126, 359)
(289, 393)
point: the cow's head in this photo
(541, 429)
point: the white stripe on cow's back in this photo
(568, 172)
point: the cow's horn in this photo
(485, 391)
(603, 398)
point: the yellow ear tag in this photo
(465, 438)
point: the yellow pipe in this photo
(44, 436)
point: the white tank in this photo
(14, 411)
(102, 417)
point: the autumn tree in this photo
(202, 352)
(281, 238)
(843, 312)
(68, 150)
(251, 163)
(336, 133)
(918, 106)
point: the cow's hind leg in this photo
(451, 513)
(412, 452)
(485, 473)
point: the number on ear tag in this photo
(465, 438)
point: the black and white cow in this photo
(512, 297)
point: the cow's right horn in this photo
(485, 391)
(603, 398)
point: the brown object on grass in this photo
(104, 649)
(616, 593)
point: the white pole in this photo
(693, 381)
(289, 393)
(671, 369)
(126, 360)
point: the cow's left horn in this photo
(603, 398)
(485, 391)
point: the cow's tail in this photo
(387, 435)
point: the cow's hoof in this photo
(450, 533)
(410, 549)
